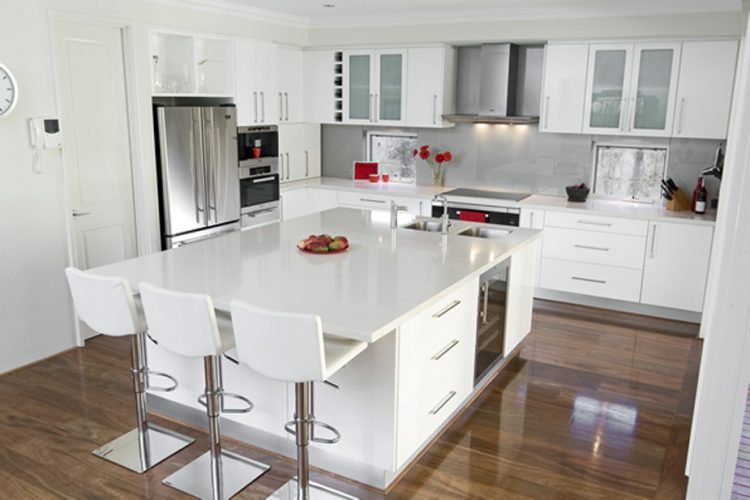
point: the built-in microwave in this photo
(258, 146)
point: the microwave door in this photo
(181, 169)
(222, 165)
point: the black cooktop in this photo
(482, 193)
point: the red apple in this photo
(325, 238)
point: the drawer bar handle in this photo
(442, 403)
(445, 311)
(578, 278)
(594, 223)
(587, 247)
(368, 200)
(445, 350)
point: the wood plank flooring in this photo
(595, 406)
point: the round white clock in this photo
(8, 91)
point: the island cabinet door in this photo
(521, 282)
(676, 266)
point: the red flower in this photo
(415, 152)
(447, 156)
(439, 158)
(424, 153)
(424, 147)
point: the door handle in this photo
(682, 116)
(307, 163)
(546, 112)
(371, 109)
(286, 105)
(281, 160)
(589, 280)
(263, 106)
(288, 167)
(255, 97)
(653, 241)
(76, 213)
(281, 107)
(485, 301)
(377, 111)
(442, 403)
(445, 350)
(264, 179)
(632, 109)
(447, 309)
(434, 109)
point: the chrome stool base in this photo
(140, 454)
(237, 472)
(316, 492)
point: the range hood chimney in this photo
(498, 83)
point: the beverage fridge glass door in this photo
(222, 165)
(182, 176)
(493, 291)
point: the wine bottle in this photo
(701, 201)
(695, 193)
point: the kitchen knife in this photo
(673, 187)
(666, 187)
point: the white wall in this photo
(519, 30)
(35, 312)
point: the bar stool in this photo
(187, 324)
(291, 348)
(106, 304)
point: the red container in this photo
(374, 177)
(386, 177)
(256, 152)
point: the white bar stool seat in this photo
(187, 324)
(291, 348)
(107, 306)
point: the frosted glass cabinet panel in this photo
(652, 98)
(609, 76)
(390, 100)
(360, 95)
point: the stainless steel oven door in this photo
(258, 190)
(260, 215)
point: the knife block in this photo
(679, 203)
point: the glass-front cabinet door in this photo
(608, 81)
(391, 88)
(359, 95)
(653, 89)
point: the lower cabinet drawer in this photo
(364, 200)
(592, 279)
(591, 247)
(587, 222)
(427, 413)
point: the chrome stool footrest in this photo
(289, 427)
(150, 373)
(230, 395)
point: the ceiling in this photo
(366, 12)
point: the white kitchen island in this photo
(412, 295)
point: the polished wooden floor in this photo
(596, 406)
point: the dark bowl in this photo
(577, 194)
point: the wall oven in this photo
(259, 195)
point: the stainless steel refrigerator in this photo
(198, 173)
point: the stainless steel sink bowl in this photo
(425, 225)
(485, 232)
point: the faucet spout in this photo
(445, 222)
(395, 209)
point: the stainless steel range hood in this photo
(498, 83)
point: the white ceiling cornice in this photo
(235, 10)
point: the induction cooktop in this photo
(482, 193)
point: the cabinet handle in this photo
(653, 241)
(485, 301)
(434, 109)
(531, 216)
(369, 200)
(447, 309)
(376, 114)
(593, 223)
(286, 105)
(442, 403)
(281, 107)
(371, 109)
(445, 350)
(682, 116)
(587, 247)
(589, 280)
(624, 114)
(546, 112)
(281, 161)
(288, 167)
(263, 179)
(263, 107)
(632, 109)
(255, 96)
(307, 163)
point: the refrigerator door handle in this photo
(197, 158)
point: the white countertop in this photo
(619, 209)
(615, 208)
(384, 278)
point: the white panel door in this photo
(390, 87)
(424, 88)
(246, 91)
(312, 150)
(676, 266)
(607, 89)
(704, 91)
(291, 152)
(266, 82)
(290, 74)
(319, 90)
(359, 87)
(98, 167)
(564, 94)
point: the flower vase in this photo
(438, 177)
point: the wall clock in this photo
(8, 91)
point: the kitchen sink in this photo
(485, 232)
(425, 225)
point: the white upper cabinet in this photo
(564, 90)
(320, 90)
(256, 83)
(676, 265)
(704, 91)
(191, 65)
(290, 87)
(430, 86)
(631, 89)
(375, 87)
